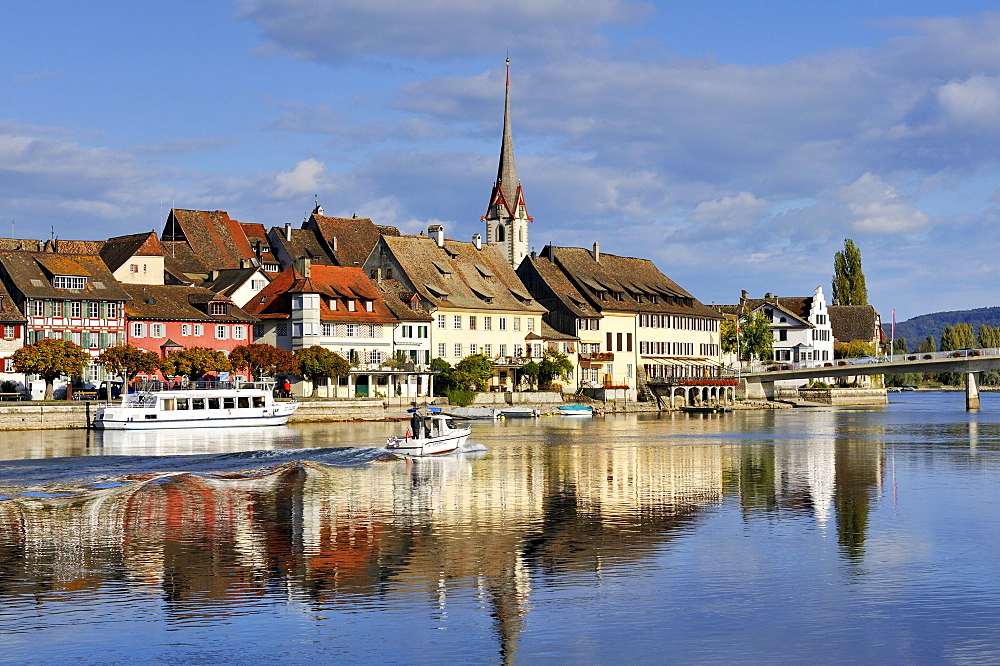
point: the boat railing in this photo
(183, 385)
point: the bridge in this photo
(970, 362)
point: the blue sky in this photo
(736, 144)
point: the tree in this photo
(50, 358)
(442, 378)
(554, 365)
(927, 345)
(319, 362)
(263, 360)
(988, 337)
(751, 338)
(956, 337)
(194, 362)
(473, 372)
(129, 361)
(849, 286)
(531, 370)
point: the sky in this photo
(735, 144)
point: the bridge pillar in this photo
(971, 390)
(758, 389)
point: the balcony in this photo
(598, 357)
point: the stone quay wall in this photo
(845, 396)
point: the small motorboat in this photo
(430, 434)
(576, 410)
(487, 413)
(519, 413)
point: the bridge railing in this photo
(758, 366)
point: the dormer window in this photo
(333, 303)
(218, 308)
(369, 306)
(69, 282)
(351, 305)
(652, 298)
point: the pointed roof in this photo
(119, 249)
(211, 235)
(507, 188)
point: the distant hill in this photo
(918, 328)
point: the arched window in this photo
(520, 235)
(501, 236)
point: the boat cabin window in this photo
(213, 403)
(167, 404)
(258, 401)
(183, 404)
(197, 403)
(243, 402)
(229, 403)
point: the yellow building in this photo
(476, 301)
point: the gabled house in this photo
(349, 240)
(73, 297)
(135, 259)
(801, 326)
(289, 245)
(196, 241)
(478, 303)
(239, 284)
(857, 322)
(339, 309)
(167, 318)
(634, 323)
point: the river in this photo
(788, 536)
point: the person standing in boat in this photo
(416, 421)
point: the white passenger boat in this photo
(156, 405)
(429, 434)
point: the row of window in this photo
(155, 330)
(76, 309)
(487, 322)
(681, 323)
(786, 355)
(670, 348)
(85, 339)
(619, 337)
(821, 334)
(459, 350)
(421, 331)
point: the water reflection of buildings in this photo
(817, 472)
(332, 536)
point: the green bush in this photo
(460, 397)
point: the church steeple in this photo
(507, 218)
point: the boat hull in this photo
(576, 411)
(432, 446)
(103, 423)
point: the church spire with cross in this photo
(507, 218)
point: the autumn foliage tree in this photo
(194, 362)
(50, 359)
(318, 362)
(128, 361)
(263, 360)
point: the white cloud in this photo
(730, 213)
(974, 101)
(305, 177)
(877, 207)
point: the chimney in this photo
(437, 233)
(597, 252)
(303, 265)
(334, 244)
(288, 231)
(378, 275)
(477, 240)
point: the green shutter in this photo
(104, 340)
(68, 336)
(48, 308)
(85, 340)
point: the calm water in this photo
(795, 536)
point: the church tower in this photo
(507, 218)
